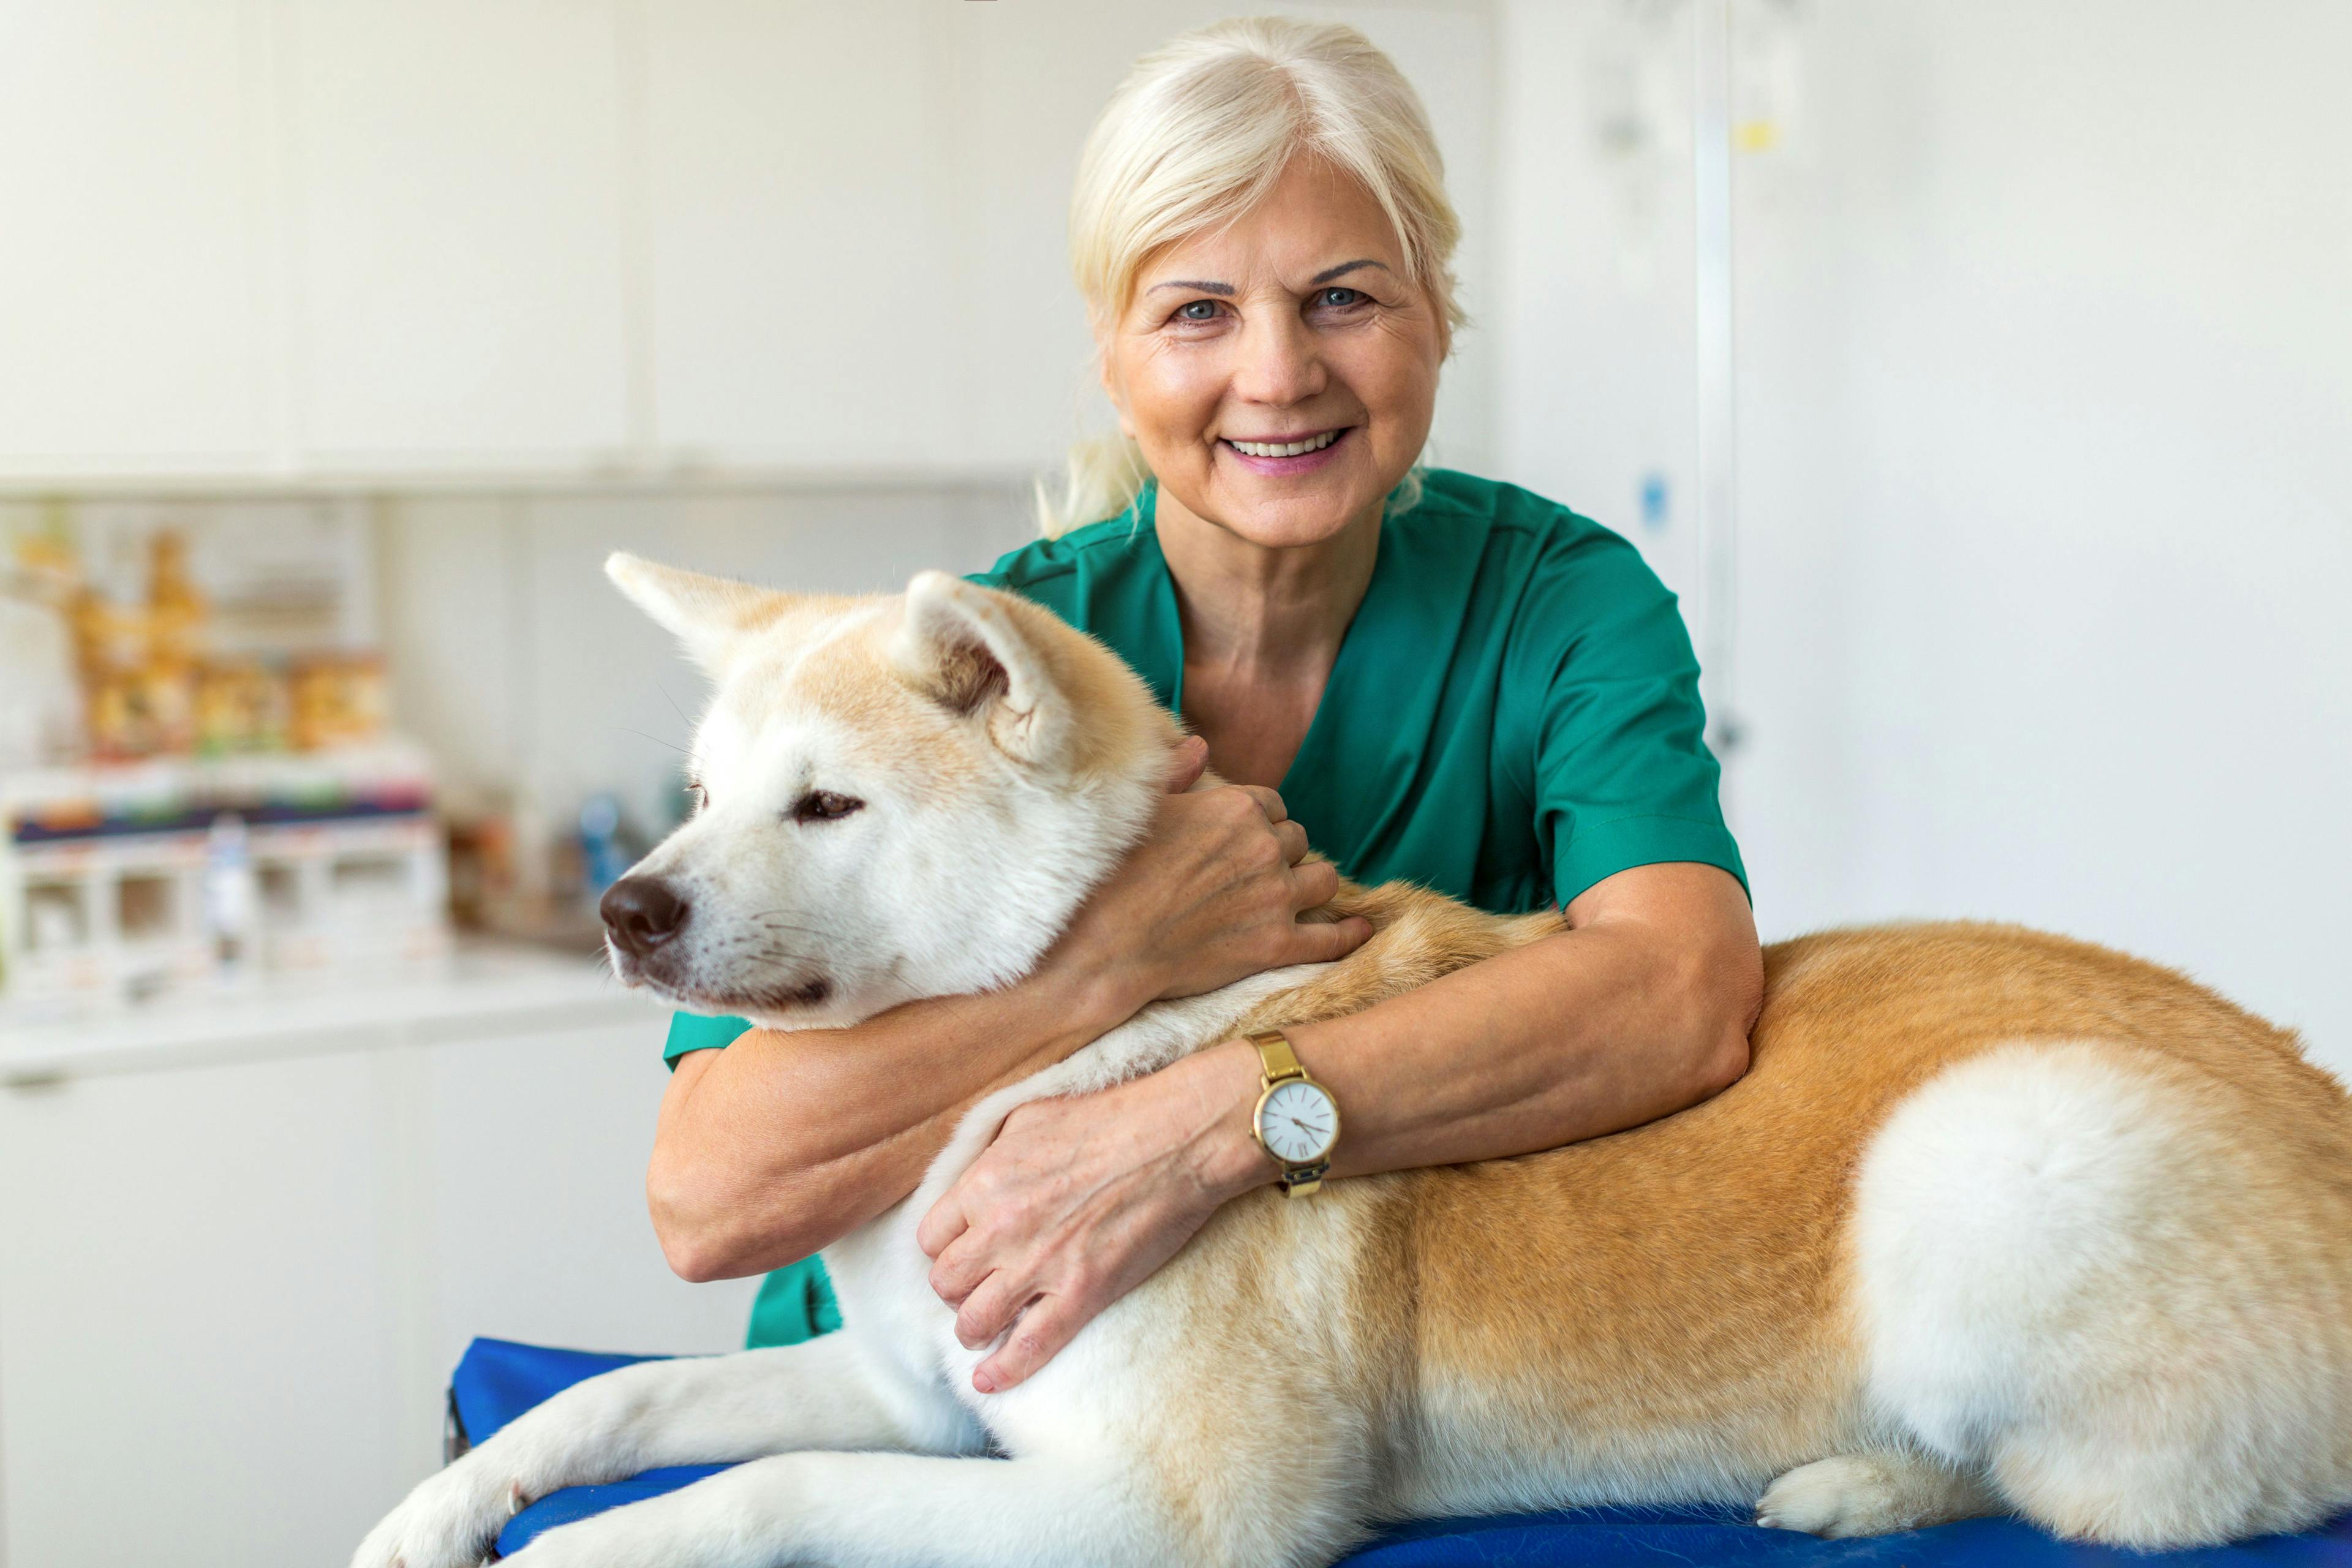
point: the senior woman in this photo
(1429, 676)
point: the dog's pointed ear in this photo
(969, 649)
(711, 615)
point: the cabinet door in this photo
(805, 298)
(460, 228)
(537, 1153)
(194, 1310)
(134, 255)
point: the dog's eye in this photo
(701, 796)
(824, 805)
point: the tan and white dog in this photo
(1997, 1221)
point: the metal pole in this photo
(1711, 126)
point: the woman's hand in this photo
(1212, 895)
(1079, 1199)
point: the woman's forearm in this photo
(1639, 1012)
(784, 1141)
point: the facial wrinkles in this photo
(1279, 364)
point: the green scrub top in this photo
(1513, 716)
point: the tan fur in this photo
(1608, 1310)
(1669, 1311)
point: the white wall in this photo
(2045, 376)
(1592, 324)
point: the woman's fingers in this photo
(1205, 900)
(1051, 1322)
(957, 1270)
(945, 1222)
(1314, 884)
(1268, 801)
(990, 1310)
(1317, 942)
(1187, 764)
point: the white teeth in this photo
(1289, 450)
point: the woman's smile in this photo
(1286, 456)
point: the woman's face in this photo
(1293, 327)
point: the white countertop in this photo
(482, 991)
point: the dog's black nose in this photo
(641, 913)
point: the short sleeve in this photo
(693, 1032)
(1622, 774)
(795, 1303)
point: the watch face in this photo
(1298, 1122)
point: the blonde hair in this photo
(1198, 133)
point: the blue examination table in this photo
(498, 1381)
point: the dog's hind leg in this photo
(702, 1410)
(905, 1510)
(2095, 1275)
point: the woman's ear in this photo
(972, 651)
(1112, 387)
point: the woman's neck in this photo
(1262, 629)
(1263, 612)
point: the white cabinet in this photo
(366, 238)
(133, 266)
(536, 1147)
(806, 305)
(459, 233)
(231, 1292)
(194, 1314)
(463, 240)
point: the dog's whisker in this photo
(657, 740)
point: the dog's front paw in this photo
(451, 1521)
(1870, 1494)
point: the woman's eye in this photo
(824, 805)
(1198, 311)
(1339, 298)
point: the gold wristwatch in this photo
(1296, 1120)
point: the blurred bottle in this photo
(232, 898)
(604, 856)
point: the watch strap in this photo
(1275, 1056)
(1303, 1180)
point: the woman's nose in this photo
(1279, 362)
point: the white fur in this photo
(2037, 1234)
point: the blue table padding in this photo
(498, 1381)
